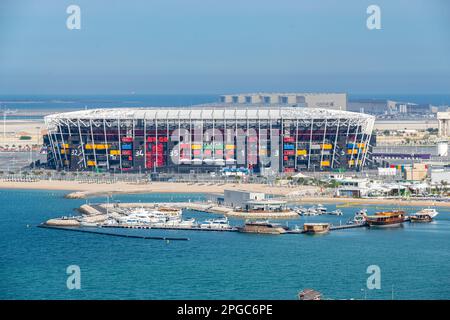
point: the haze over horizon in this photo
(213, 47)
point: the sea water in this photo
(413, 260)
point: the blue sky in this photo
(216, 46)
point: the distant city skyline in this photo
(214, 47)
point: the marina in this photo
(143, 263)
(169, 216)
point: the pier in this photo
(231, 229)
(348, 226)
(114, 234)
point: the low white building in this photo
(440, 175)
(239, 198)
(337, 101)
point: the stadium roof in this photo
(216, 112)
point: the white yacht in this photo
(431, 212)
(177, 223)
(359, 218)
(215, 224)
(336, 212)
(300, 210)
(313, 211)
(321, 209)
(142, 216)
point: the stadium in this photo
(208, 138)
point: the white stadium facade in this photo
(209, 137)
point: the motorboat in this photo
(336, 212)
(424, 215)
(300, 210)
(420, 218)
(311, 212)
(142, 216)
(321, 209)
(176, 223)
(362, 212)
(431, 212)
(110, 222)
(221, 223)
(359, 217)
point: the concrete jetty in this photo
(113, 234)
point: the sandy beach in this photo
(79, 190)
(14, 129)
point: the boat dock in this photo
(113, 234)
(231, 229)
(332, 228)
(348, 226)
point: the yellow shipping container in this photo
(361, 145)
(114, 152)
(91, 146)
(262, 152)
(352, 162)
(196, 147)
(325, 163)
(63, 151)
(302, 152)
(327, 146)
(65, 145)
(91, 163)
(230, 146)
(101, 146)
(352, 151)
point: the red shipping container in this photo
(127, 152)
(289, 139)
(127, 139)
(285, 158)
